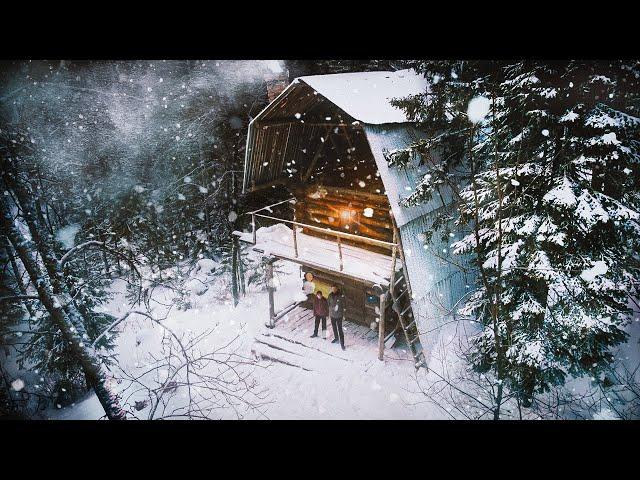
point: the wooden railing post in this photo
(340, 251)
(295, 241)
(270, 289)
(253, 223)
(234, 270)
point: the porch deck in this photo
(289, 343)
(358, 263)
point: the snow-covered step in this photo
(291, 351)
(268, 352)
(314, 347)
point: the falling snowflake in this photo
(478, 109)
(368, 212)
(17, 384)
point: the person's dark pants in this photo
(336, 324)
(324, 324)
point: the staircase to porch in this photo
(289, 344)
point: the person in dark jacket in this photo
(336, 312)
(320, 310)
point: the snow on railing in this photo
(393, 246)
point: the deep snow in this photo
(361, 388)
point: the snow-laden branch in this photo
(118, 321)
(92, 243)
(102, 246)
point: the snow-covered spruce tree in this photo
(562, 218)
(586, 212)
(458, 151)
(553, 200)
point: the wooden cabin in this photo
(324, 140)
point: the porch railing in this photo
(392, 246)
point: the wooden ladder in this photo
(400, 289)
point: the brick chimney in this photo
(276, 83)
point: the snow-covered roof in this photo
(366, 95)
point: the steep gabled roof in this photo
(291, 126)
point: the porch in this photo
(332, 251)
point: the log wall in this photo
(343, 209)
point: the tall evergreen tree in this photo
(547, 156)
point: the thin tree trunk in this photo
(64, 315)
(17, 276)
(498, 283)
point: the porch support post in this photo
(253, 231)
(383, 307)
(270, 289)
(234, 270)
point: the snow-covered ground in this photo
(352, 385)
(305, 378)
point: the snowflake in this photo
(17, 384)
(478, 109)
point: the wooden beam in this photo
(383, 307)
(270, 289)
(278, 181)
(283, 121)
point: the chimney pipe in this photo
(276, 83)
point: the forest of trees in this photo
(109, 168)
(543, 161)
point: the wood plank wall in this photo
(358, 309)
